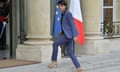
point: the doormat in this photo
(14, 63)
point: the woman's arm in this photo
(72, 25)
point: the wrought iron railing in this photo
(111, 30)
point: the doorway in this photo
(16, 28)
(53, 6)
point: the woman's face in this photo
(62, 7)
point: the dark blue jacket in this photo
(68, 25)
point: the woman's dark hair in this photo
(62, 2)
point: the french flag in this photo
(75, 9)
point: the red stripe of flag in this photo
(75, 9)
(79, 26)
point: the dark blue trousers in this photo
(69, 44)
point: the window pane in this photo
(108, 2)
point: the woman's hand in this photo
(75, 39)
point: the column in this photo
(95, 44)
(38, 46)
(117, 11)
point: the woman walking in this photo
(67, 36)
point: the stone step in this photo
(97, 62)
(100, 62)
(108, 69)
(90, 64)
(104, 63)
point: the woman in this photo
(67, 35)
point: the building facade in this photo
(31, 24)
